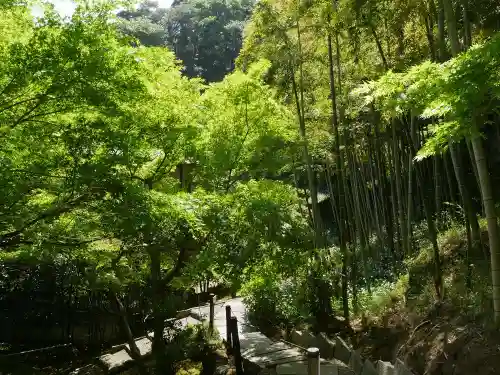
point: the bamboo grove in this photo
(351, 135)
(397, 109)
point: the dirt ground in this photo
(444, 345)
(456, 337)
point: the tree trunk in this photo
(432, 231)
(474, 166)
(437, 183)
(331, 180)
(413, 132)
(450, 179)
(313, 191)
(134, 350)
(340, 172)
(354, 279)
(386, 196)
(455, 49)
(471, 155)
(468, 277)
(464, 192)
(158, 315)
(491, 217)
(399, 192)
(394, 202)
(379, 46)
(429, 31)
(358, 220)
(400, 37)
(452, 26)
(443, 55)
(467, 24)
(379, 217)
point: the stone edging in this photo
(339, 350)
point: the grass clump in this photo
(384, 298)
(189, 367)
(466, 279)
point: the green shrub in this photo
(194, 343)
(383, 297)
(273, 300)
(189, 368)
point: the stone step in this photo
(276, 357)
(144, 345)
(116, 361)
(254, 341)
(277, 346)
(300, 368)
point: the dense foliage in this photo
(392, 129)
(94, 133)
(205, 34)
(316, 178)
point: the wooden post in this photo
(228, 326)
(313, 361)
(272, 369)
(212, 312)
(236, 346)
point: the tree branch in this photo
(229, 184)
(62, 243)
(181, 260)
(35, 173)
(13, 237)
(30, 118)
(8, 84)
(17, 103)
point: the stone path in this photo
(261, 351)
(256, 349)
